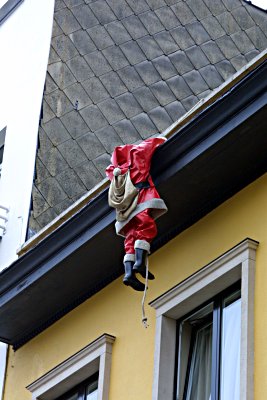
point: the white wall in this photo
(24, 49)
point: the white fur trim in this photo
(117, 171)
(142, 244)
(129, 257)
(157, 206)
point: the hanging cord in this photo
(144, 318)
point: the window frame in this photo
(65, 376)
(234, 265)
(80, 388)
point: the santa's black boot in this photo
(130, 278)
(141, 260)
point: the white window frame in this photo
(236, 264)
(94, 357)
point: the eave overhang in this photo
(211, 158)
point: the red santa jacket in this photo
(137, 158)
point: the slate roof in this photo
(122, 70)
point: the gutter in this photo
(175, 128)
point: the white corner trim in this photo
(94, 357)
(237, 264)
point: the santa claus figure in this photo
(133, 194)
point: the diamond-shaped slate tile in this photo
(251, 54)
(197, 57)
(179, 87)
(53, 56)
(66, 21)
(239, 61)
(101, 163)
(132, 52)
(45, 218)
(98, 63)
(162, 92)
(95, 90)
(102, 12)
(212, 51)
(78, 96)
(73, 3)
(59, 102)
(91, 145)
(164, 66)
(228, 23)
(213, 27)
(138, 6)
(225, 69)
(242, 41)
(197, 32)
(167, 17)
(183, 12)
(52, 191)
(182, 37)
(113, 84)
(118, 33)
(75, 188)
(134, 26)
(100, 37)
(64, 47)
(151, 22)
(120, 8)
(166, 42)
(47, 112)
(195, 81)
(53, 161)
(215, 6)
(80, 68)
(93, 117)
(160, 118)
(154, 4)
(41, 171)
(175, 110)
(72, 152)
(74, 123)
(257, 37)
(111, 110)
(61, 74)
(127, 131)
(128, 104)
(211, 76)
(88, 174)
(109, 138)
(56, 29)
(243, 18)
(85, 16)
(150, 47)
(148, 72)
(130, 77)
(39, 203)
(82, 42)
(145, 98)
(199, 9)
(227, 46)
(115, 57)
(181, 62)
(59, 208)
(144, 125)
(190, 102)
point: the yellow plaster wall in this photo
(117, 309)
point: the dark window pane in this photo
(91, 391)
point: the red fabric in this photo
(138, 159)
(141, 227)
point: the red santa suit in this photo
(139, 228)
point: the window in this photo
(84, 391)
(196, 329)
(84, 376)
(208, 356)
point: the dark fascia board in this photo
(8, 8)
(208, 128)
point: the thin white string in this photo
(144, 318)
